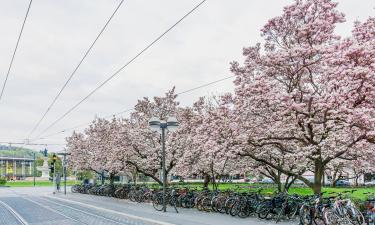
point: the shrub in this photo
(3, 181)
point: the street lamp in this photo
(160, 125)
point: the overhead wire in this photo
(130, 109)
(15, 51)
(75, 70)
(120, 69)
(25, 143)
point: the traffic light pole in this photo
(34, 169)
(54, 158)
(54, 178)
(64, 171)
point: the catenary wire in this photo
(120, 69)
(130, 109)
(75, 70)
(24, 143)
(15, 51)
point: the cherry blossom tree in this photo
(211, 138)
(306, 93)
(336, 169)
(76, 146)
(140, 145)
(97, 148)
(304, 101)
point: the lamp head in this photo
(172, 124)
(154, 124)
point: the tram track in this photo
(13, 212)
(112, 221)
(56, 211)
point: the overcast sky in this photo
(58, 32)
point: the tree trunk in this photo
(134, 175)
(356, 180)
(333, 180)
(279, 186)
(318, 175)
(214, 186)
(289, 181)
(102, 177)
(111, 178)
(274, 176)
(217, 183)
(206, 181)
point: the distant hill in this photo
(12, 151)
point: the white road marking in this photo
(113, 211)
(16, 215)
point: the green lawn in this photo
(242, 187)
(270, 189)
(31, 183)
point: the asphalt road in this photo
(38, 206)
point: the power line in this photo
(75, 70)
(121, 68)
(205, 85)
(25, 144)
(130, 109)
(82, 124)
(15, 50)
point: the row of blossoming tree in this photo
(303, 101)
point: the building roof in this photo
(15, 158)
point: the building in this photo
(16, 168)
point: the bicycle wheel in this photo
(206, 204)
(190, 203)
(228, 204)
(356, 216)
(74, 189)
(157, 202)
(281, 213)
(264, 213)
(198, 204)
(132, 196)
(139, 198)
(244, 210)
(220, 206)
(234, 209)
(330, 217)
(305, 215)
(213, 204)
(173, 202)
(292, 211)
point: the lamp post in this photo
(160, 125)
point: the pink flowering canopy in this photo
(304, 100)
(308, 95)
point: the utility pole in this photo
(34, 168)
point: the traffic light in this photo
(54, 158)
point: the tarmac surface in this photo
(39, 206)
